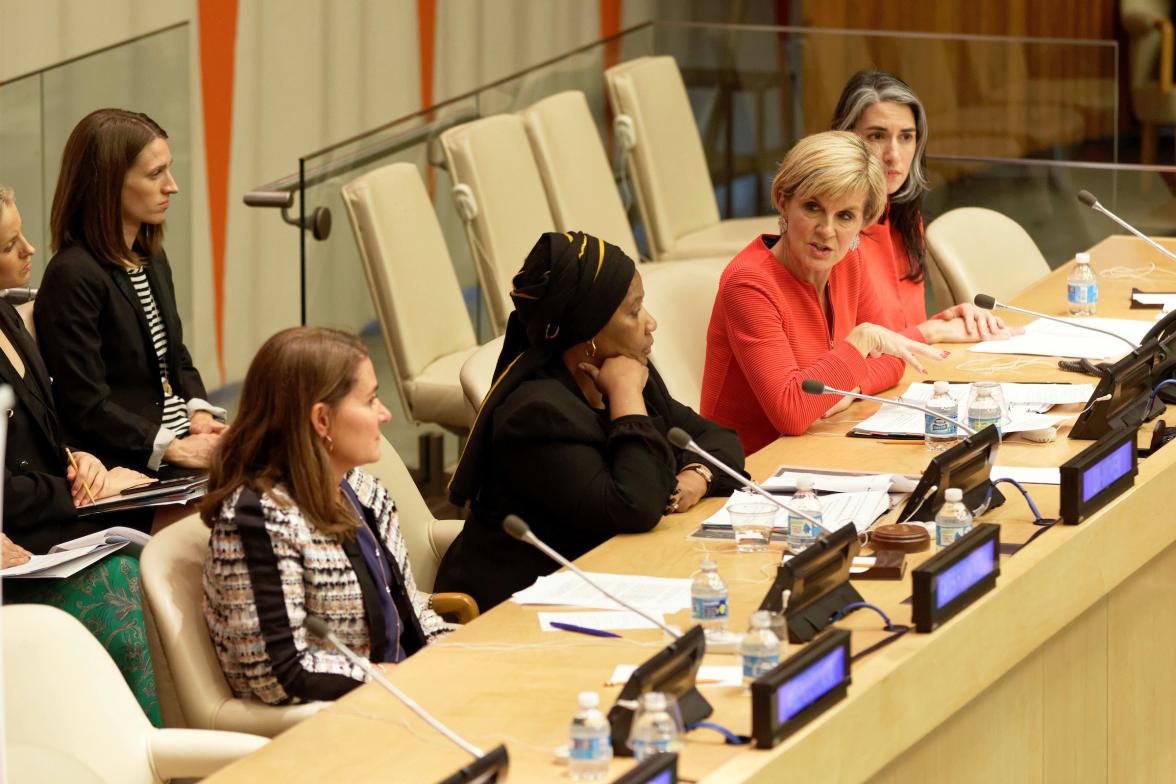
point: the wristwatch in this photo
(701, 470)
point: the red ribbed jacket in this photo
(904, 306)
(768, 333)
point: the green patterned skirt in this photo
(107, 597)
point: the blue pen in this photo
(571, 627)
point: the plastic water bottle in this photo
(591, 736)
(1082, 287)
(654, 730)
(760, 648)
(708, 599)
(954, 520)
(940, 433)
(802, 533)
(983, 409)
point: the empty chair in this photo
(477, 374)
(69, 715)
(423, 319)
(665, 158)
(500, 196)
(980, 251)
(680, 296)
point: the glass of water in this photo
(752, 522)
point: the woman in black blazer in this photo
(41, 489)
(106, 310)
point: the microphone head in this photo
(813, 387)
(514, 525)
(1087, 198)
(317, 627)
(679, 437)
(985, 301)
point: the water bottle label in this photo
(755, 666)
(706, 609)
(643, 748)
(800, 528)
(1082, 293)
(588, 749)
(947, 534)
(937, 426)
(979, 423)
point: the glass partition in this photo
(38, 111)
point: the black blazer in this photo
(37, 500)
(94, 338)
(576, 477)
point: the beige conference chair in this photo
(499, 194)
(69, 715)
(477, 374)
(980, 251)
(675, 194)
(1150, 51)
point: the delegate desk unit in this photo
(1064, 672)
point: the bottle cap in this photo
(941, 387)
(653, 701)
(953, 495)
(1082, 258)
(708, 565)
(804, 483)
(761, 619)
(589, 699)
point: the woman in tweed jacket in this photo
(298, 529)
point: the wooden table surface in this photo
(501, 679)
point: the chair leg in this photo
(1148, 140)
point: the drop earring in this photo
(590, 352)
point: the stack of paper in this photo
(652, 594)
(71, 557)
(165, 493)
(837, 509)
(1051, 339)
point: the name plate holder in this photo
(800, 688)
(658, 769)
(1098, 474)
(955, 577)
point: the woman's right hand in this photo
(194, 451)
(11, 553)
(119, 479)
(873, 340)
(622, 380)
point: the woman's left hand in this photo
(12, 553)
(976, 324)
(691, 489)
(204, 422)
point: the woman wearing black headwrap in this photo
(572, 436)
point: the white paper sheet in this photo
(1028, 475)
(1014, 394)
(605, 619)
(824, 483)
(837, 509)
(62, 564)
(892, 420)
(652, 594)
(708, 675)
(1051, 339)
(1165, 299)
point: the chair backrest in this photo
(680, 296)
(409, 271)
(172, 567)
(492, 158)
(425, 537)
(667, 163)
(1139, 18)
(477, 374)
(580, 188)
(62, 691)
(981, 251)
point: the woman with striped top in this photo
(798, 305)
(298, 529)
(106, 316)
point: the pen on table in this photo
(73, 462)
(571, 627)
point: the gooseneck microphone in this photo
(1087, 198)
(988, 302)
(814, 387)
(319, 628)
(681, 439)
(515, 527)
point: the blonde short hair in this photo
(830, 165)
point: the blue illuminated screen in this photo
(1114, 466)
(665, 777)
(965, 573)
(810, 684)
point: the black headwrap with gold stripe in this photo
(568, 289)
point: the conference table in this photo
(1063, 672)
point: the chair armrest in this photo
(197, 753)
(460, 604)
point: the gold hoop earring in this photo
(590, 352)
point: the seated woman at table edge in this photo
(42, 488)
(110, 332)
(572, 436)
(298, 529)
(884, 110)
(797, 305)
